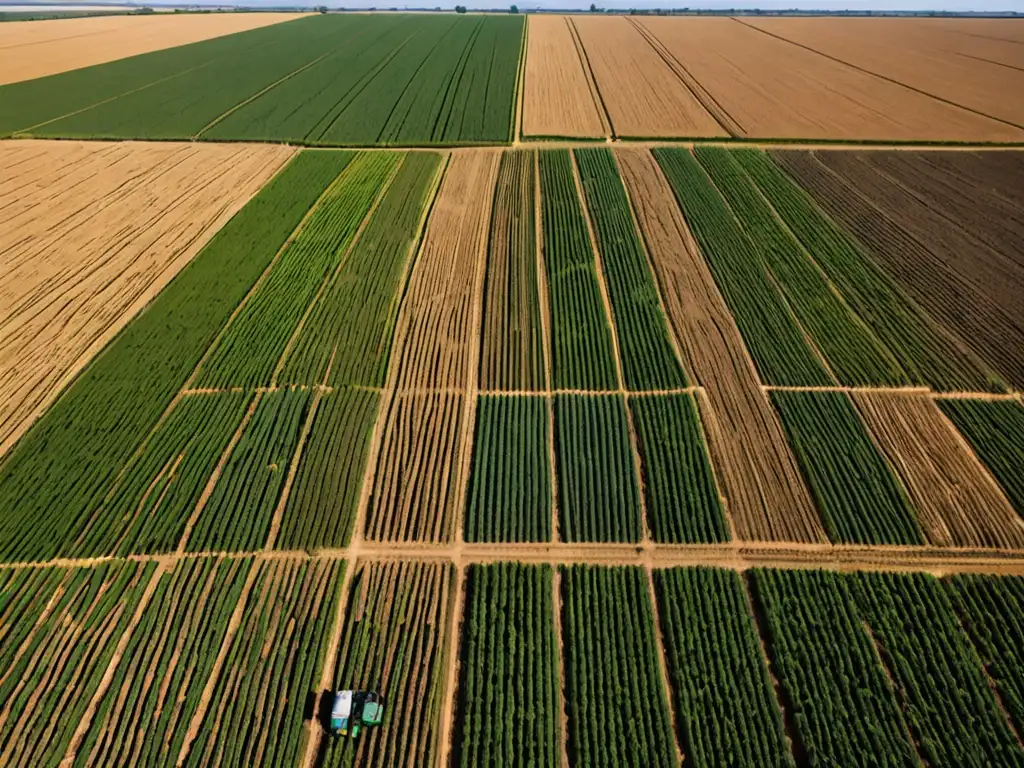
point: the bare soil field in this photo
(424, 446)
(773, 89)
(957, 502)
(952, 242)
(33, 49)
(938, 63)
(766, 499)
(643, 96)
(90, 233)
(559, 97)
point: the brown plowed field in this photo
(512, 357)
(931, 241)
(774, 89)
(89, 234)
(765, 493)
(31, 49)
(957, 501)
(903, 50)
(643, 96)
(558, 97)
(422, 462)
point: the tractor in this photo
(354, 710)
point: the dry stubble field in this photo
(430, 421)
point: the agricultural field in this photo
(571, 449)
(357, 80)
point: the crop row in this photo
(860, 499)
(510, 485)
(156, 687)
(509, 701)
(852, 351)
(648, 358)
(581, 339)
(61, 470)
(615, 697)
(248, 352)
(352, 80)
(927, 353)
(58, 635)
(395, 643)
(995, 430)
(347, 335)
(512, 345)
(322, 505)
(775, 341)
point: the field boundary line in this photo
(255, 96)
(387, 393)
(659, 642)
(328, 278)
(292, 237)
(214, 478)
(314, 731)
(452, 665)
(880, 76)
(211, 682)
(588, 73)
(517, 127)
(645, 527)
(545, 329)
(882, 658)
(707, 421)
(108, 675)
(721, 115)
(563, 713)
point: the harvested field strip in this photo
(437, 336)
(818, 647)
(37, 49)
(682, 501)
(995, 430)
(598, 497)
(926, 352)
(416, 488)
(512, 356)
(395, 640)
(957, 501)
(952, 712)
(557, 98)
(510, 492)
(150, 505)
(91, 233)
(238, 514)
(860, 499)
(255, 714)
(54, 656)
(643, 96)
(26, 105)
(509, 700)
(936, 255)
(853, 353)
(773, 337)
(648, 358)
(65, 465)
(581, 337)
(249, 349)
(992, 611)
(144, 715)
(353, 322)
(611, 657)
(765, 495)
(724, 701)
(322, 506)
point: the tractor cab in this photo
(355, 710)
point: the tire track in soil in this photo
(452, 663)
(659, 641)
(556, 586)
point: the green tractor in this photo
(354, 710)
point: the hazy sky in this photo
(829, 5)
